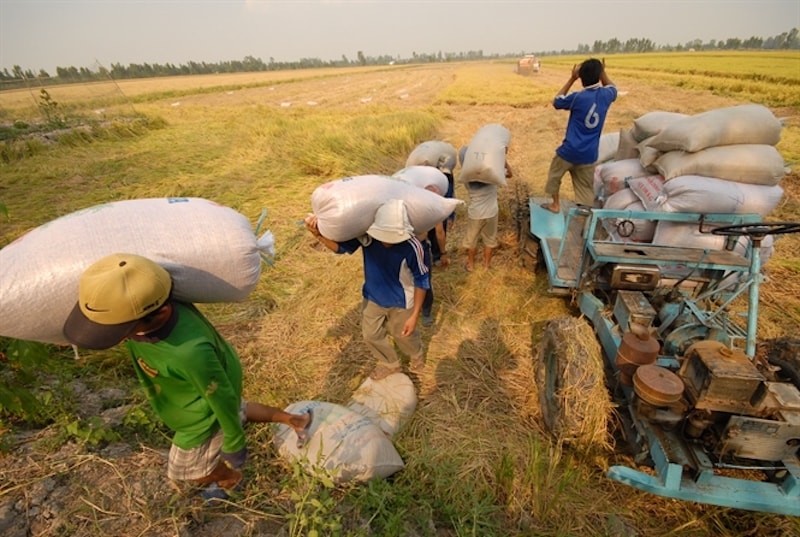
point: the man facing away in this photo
(587, 114)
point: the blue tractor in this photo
(709, 414)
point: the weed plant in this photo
(478, 459)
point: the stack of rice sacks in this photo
(720, 161)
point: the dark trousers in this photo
(427, 304)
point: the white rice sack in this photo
(749, 163)
(423, 177)
(341, 443)
(597, 184)
(615, 175)
(743, 247)
(652, 123)
(485, 157)
(648, 155)
(697, 194)
(627, 145)
(686, 235)
(345, 208)
(210, 251)
(388, 402)
(434, 153)
(744, 124)
(628, 229)
(609, 145)
(649, 190)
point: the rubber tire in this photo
(530, 249)
(557, 366)
(784, 352)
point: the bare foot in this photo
(382, 371)
(551, 207)
(469, 267)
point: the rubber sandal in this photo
(303, 434)
(214, 493)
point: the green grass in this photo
(478, 460)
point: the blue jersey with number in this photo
(587, 113)
(391, 273)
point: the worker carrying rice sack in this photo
(434, 153)
(210, 251)
(346, 208)
(484, 160)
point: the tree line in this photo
(19, 77)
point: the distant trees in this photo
(18, 76)
(786, 40)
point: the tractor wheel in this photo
(530, 250)
(573, 397)
(784, 352)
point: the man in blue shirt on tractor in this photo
(577, 154)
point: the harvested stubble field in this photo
(479, 461)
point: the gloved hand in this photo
(236, 459)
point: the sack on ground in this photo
(388, 402)
(744, 124)
(434, 153)
(342, 444)
(345, 208)
(423, 177)
(210, 251)
(485, 157)
(750, 163)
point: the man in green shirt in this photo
(192, 376)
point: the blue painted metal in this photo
(682, 471)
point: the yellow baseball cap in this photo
(114, 293)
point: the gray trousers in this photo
(378, 323)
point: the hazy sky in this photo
(44, 34)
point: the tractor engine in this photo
(747, 415)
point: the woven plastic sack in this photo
(345, 208)
(342, 443)
(697, 194)
(628, 229)
(744, 124)
(627, 147)
(608, 147)
(485, 158)
(434, 153)
(748, 163)
(423, 177)
(687, 235)
(614, 176)
(388, 402)
(652, 123)
(210, 251)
